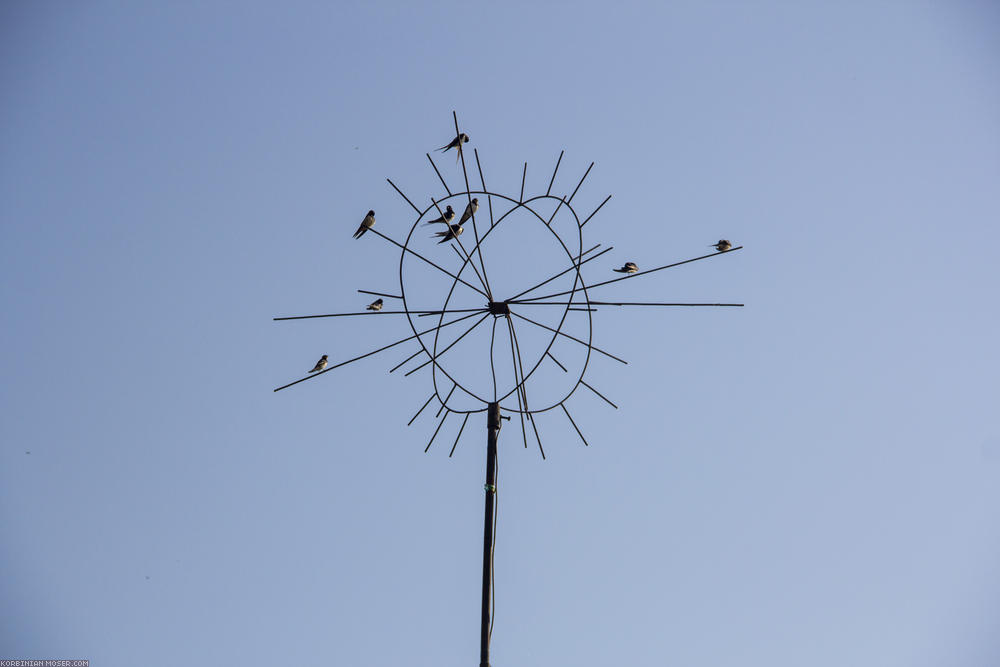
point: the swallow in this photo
(722, 246)
(629, 267)
(454, 231)
(366, 224)
(320, 365)
(470, 210)
(448, 216)
(456, 143)
(375, 305)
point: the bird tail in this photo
(620, 270)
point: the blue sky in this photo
(811, 479)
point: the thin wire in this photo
(634, 275)
(575, 266)
(554, 171)
(439, 354)
(563, 333)
(368, 354)
(621, 303)
(493, 369)
(444, 403)
(462, 428)
(404, 196)
(595, 212)
(520, 406)
(468, 193)
(531, 417)
(416, 254)
(570, 200)
(438, 173)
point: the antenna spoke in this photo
(524, 391)
(633, 275)
(419, 212)
(595, 212)
(561, 273)
(389, 296)
(457, 437)
(551, 357)
(439, 173)
(431, 398)
(439, 354)
(562, 333)
(580, 183)
(403, 362)
(585, 444)
(599, 394)
(553, 180)
(445, 402)
(368, 354)
(468, 196)
(419, 256)
(619, 303)
(440, 424)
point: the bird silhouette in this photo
(471, 209)
(629, 267)
(454, 231)
(366, 224)
(456, 143)
(722, 246)
(375, 305)
(320, 365)
(446, 217)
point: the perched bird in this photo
(722, 246)
(472, 208)
(320, 365)
(366, 224)
(375, 305)
(454, 231)
(448, 216)
(456, 143)
(629, 267)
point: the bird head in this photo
(475, 200)
(371, 213)
(465, 138)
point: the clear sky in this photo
(813, 479)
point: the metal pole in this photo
(492, 430)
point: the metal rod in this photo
(404, 197)
(493, 369)
(439, 354)
(520, 406)
(429, 313)
(467, 258)
(621, 303)
(371, 312)
(558, 206)
(445, 402)
(489, 198)
(524, 174)
(562, 333)
(440, 424)
(421, 409)
(599, 394)
(633, 275)
(585, 444)
(468, 195)
(492, 431)
(368, 354)
(531, 417)
(438, 172)
(553, 180)
(548, 280)
(553, 359)
(390, 296)
(595, 212)
(416, 254)
(457, 437)
(403, 362)
(580, 183)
